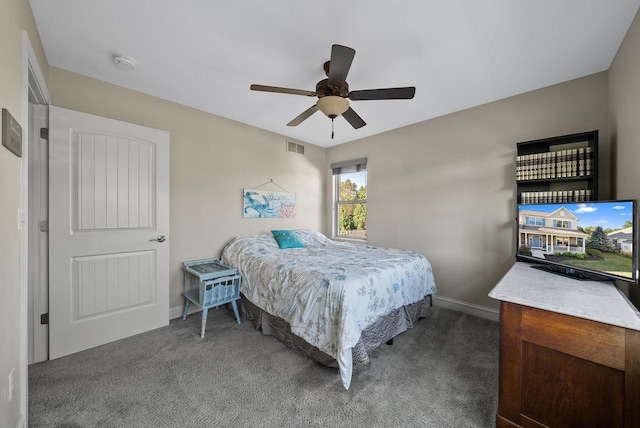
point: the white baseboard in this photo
(445, 302)
(467, 308)
(176, 311)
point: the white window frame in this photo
(534, 221)
(338, 169)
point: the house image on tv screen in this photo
(622, 239)
(550, 232)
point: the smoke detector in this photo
(124, 62)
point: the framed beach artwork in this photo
(268, 204)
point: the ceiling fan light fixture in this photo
(332, 105)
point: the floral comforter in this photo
(328, 291)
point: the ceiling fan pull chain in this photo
(332, 128)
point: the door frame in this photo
(38, 276)
(32, 80)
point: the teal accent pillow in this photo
(287, 239)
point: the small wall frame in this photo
(11, 133)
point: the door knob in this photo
(160, 238)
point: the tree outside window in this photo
(352, 205)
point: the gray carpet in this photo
(441, 373)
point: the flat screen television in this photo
(589, 240)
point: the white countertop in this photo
(593, 300)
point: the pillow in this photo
(287, 239)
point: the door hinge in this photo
(44, 318)
(44, 226)
(44, 133)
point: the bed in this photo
(337, 299)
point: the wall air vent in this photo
(295, 148)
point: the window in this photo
(564, 224)
(534, 221)
(350, 199)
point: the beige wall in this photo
(624, 123)
(212, 160)
(624, 109)
(16, 15)
(446, 187)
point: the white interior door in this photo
(108, 204)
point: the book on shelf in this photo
(558, 164)
(588, 161)
(555, 196)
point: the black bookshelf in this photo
(558, 170)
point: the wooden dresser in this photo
(569, 352)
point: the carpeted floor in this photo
(441, 373)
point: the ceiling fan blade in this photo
(282, 90)
(340, 63)
(303, 116)
(405, 93)
(353, 118)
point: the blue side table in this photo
(209, 283)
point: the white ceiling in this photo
(457, 53)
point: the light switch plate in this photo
(12, 382)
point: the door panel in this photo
(108, 283)
(109, 187)
(116, 186)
